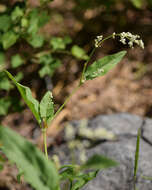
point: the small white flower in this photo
(141, 44)
(123, 40)
(130, 44)
(114, 35)
(98, 41)
(131, 39)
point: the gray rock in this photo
(120, 124)
(125, 126)
(147, 131)
(121, 177)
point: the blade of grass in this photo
(147, 178)
(137, 156)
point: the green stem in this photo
(66, 101)
(85, 66)
(81, 78)
(75, 89)
(69, 97)
(45, 139)
(107, 38)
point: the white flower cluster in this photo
(127, 37)
(98, 41)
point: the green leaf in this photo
(37, 170)
(44, 17)
(137, 3)
(16, 61)
(26, 94)
(46, 59)
(17, 13)
(33, 22)
(60, 43)
(83, 179)
(103, 65)
(36, 19)
(4, 82)
(5, 104)
(57, 43)
(79, 53)
(79, 179)
(47, 107)
(49, 65)
(67, 40)
(99, 162)
(5, 23)
(68, 172)
(8, 39)
(36, 41)
(19, 76)
(24, 22)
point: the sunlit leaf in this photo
(16, 61)
(47, 107)
(19, 76)
(103, 65)
(8, 39)
(49, 65)
(17, 13)
(79, 53)
(26, 94)
(137, 3)
(36, 40)
(57, 43)
(33, 22)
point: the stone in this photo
(125, 127)
(147, 131)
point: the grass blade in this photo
(137, 156)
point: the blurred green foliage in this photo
(22, 42)
(20, 26)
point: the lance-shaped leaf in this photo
(82, 179)
(26, 94)
(46, 107)
(99, 162)
(104, 65)
(31, 162)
